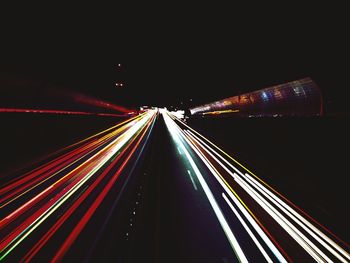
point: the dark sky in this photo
(171, 53)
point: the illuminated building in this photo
(297, 98)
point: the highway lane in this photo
(187, 228)
(66, 192)
(254, 216)
(152, 189)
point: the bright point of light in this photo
(180, 114)
(264, 95)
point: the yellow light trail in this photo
(219, 112)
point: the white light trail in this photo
(280, 204)
(175, 133)
(223, 183)
(300, 220)
(262, 250)
(115, 146)
(194, 184)
(306, 243)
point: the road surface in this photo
(153, 189)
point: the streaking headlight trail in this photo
(174, 130)
(276, 227)
(51, 194)
(189, 194)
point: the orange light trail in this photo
(57, 183)
(219, 112)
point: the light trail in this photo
(71, 189)
(84, 220)
(57, 184)
(194, 184)
(175, 132)
(251, 197)
(19, 186)
(83, 99)
(60, 153)
(299, 219)
(234, 196)
(297, 233)
(63, 112)
(308, 227)
(70, 211)
(224, 154)
(219, 112)
(251, 234)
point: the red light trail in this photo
(32, 199)
(50, 210)
(42, 111)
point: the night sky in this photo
(171, 54)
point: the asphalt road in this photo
(152, 189)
